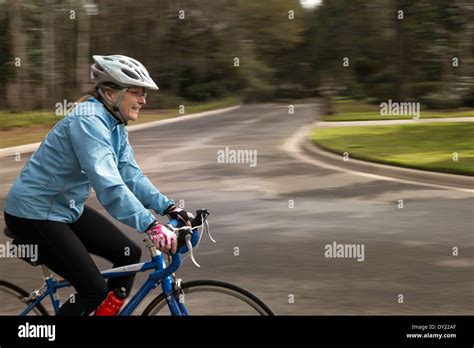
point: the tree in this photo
(18, 88)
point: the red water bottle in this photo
(112, 303)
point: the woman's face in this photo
(131, 103)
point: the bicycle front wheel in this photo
(211, 297)
(11, 303)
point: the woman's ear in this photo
(110, 94)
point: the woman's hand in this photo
(179, 214)
(163, 238)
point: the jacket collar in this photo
(111, 120)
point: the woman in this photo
(90, 147)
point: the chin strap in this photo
(115, 107)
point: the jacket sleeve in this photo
(137, 182)
(91, 141)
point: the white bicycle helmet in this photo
(123, 71)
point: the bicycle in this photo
(177, 296)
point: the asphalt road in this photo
(282, 212)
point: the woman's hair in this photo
(95, 92)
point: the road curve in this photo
(273, 219)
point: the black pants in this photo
(65, 249)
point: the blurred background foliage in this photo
(284, 51)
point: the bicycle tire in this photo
(212, 286)
(18, 293)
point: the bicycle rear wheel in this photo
(11, 300)
(211, 297)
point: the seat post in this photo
(47, 273)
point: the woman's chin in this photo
(133, 117)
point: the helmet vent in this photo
(126, 63)
(130, 74)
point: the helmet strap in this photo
(115, 108)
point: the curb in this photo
(336, 124)
(459, 181)
(182, 118)
(10, 151)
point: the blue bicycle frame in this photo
(161, 273)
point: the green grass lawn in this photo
(9, 120)
(31, 127)
(352, 110)
(422, 146)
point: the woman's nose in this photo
(142, 100)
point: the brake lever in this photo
(185, 234)
(187, 238)
(208, 231)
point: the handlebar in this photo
(188, 237)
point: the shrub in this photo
(441, 100)
(419, 89)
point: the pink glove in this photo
(163, 238)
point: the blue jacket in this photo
(87, 147)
